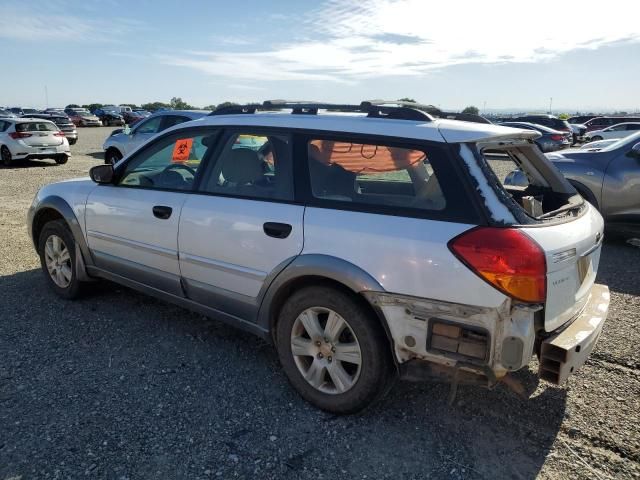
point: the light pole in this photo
(550, 104)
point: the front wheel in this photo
(596, 138)
(334, 354)
(61, 159)
(5, 155)
(56, 247)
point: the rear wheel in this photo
(112, 156)
(596, 138)
(334, 354)
(56, 247)
(5, 155)
(72, 141)
(61, 159)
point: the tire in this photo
(53, 259)
(112, 156)
(361, 338)
(5, 155)
(596, 138)
(61, 159)
(73, 141)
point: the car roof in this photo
(454, 131)
(189, 113)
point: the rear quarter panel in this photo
(408, 256)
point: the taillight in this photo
(557, 138)
(506, 258)
(59, 134)
(17, 135)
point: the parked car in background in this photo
(54, 110)
(579, 130)
(82, 117)
(123, 142)
(550, 121)
(16, 111)
(62, 121)
(31, 138)
(7, 114)
(549, 140)
(599, 144)
(125, 109)
(142, 112)
(364, 246)
(132, 117)
(109, 118)
(609, 178)
(619, 130)
(580, 119)
(600, 123)
(27, 111)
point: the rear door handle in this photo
(277, 230)
(162, 212)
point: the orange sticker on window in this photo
(181, 150)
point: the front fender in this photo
(57, 204)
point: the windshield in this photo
(628, 140)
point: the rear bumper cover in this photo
(565, 351)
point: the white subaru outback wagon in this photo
(365, 241)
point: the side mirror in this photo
(127, 129)
(635, 151)
(102, 174)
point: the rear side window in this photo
(374, 174)
(36, 127)
(253, 165)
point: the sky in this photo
(494, 54)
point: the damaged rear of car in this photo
(540, 247)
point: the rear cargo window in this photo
(373, 174)
(36, 127)
(530, 181)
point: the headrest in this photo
(242, 166)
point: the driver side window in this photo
(171, 163)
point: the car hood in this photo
(574, 155)
(88, 117)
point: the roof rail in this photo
(397, 112)
(433, 111)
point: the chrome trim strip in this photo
(595, 247)
(225, 267)
(165, 252)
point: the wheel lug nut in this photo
(333, 349)
(320, 355)
(318, 343)
(329, 358)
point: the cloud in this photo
(24, 24)
(346, 42)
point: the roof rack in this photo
(312, 108)
(433, 111)
(392, 109)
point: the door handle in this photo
(162, 212)
(277, 230)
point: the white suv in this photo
(365, 242)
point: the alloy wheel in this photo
(325, 350)
(58, 261)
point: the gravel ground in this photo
(121, 386)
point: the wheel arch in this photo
(56, 208)
(319, 270)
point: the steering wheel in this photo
(181, 165)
